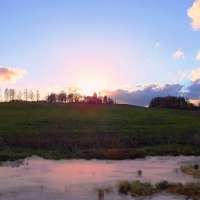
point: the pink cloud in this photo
(195, 75)
(8, 75)
(194, 14)
(178, 54)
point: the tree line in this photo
(173, 102)
(12, 95)
(75, 97)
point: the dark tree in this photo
(110, 101)
(12, 94)
(37, 95)
(172, 102)
(62, 97)
(52, 98)
(6, 94)
(71, 97)
(19, 95)
(105, 99)
(31, 95)
(26, 94)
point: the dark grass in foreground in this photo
(142, 189)
(96, 131)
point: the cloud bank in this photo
(143, 96)
(178, 54)
(194, 14)
(8, 75)
(194, 89)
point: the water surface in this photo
(37, 178)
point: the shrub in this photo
(124, 186)
(100, 192)
(142, 189)
(196, 166)
(162, 185)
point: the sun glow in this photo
(89, 86)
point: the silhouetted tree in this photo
(105, 99)
(31, 95)
(110, 101)
(12, 94)
(52, 98)
(62, 97)
(6, 94)
(26, 94)
(19, 95)
(172, 102)
(37, 95)
(71, 97)
(100, 98)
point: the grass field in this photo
(96, 131)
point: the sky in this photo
(130, 50)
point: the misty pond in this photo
(37, 178)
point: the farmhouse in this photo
(92, 99)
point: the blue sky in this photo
(131, 50)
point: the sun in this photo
(89, 86)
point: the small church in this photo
(92, 99)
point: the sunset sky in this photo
(132, 50)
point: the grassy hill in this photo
(96, 131)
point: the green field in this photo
(96, 131)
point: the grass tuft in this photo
(136, 188)
(139, 172)
(146, 188)
(191, 170)
(124, 186)
(142, 189)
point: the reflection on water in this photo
(16, 163)
(37, 178)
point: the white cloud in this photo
(124, 87)
(194, 14)
(198, 56)
(195, 75)
(157, 44)
(178, 54)
(8, 75)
